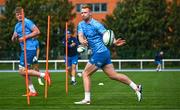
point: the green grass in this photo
(161, 91)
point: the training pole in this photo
(66, 59)
(47, 56)
(25, 59)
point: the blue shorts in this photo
(158, 62)
(72, 60)
(101, 59)
(30, 54)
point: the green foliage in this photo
(173, 32)
(143, 24)
(60, 11)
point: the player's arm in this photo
(37, 53)
(34, 33)
(81, 36)
(75, 42)
(82, 39)
(14, 37)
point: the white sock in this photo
(73, 78)
(39, 79)
(133, 86)
(31, 88)
(42, 75)
(87, 96)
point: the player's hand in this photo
(22, 39)
(13, 39)
(73, 44)
(35, 59)
(84, 42)
(119, 42)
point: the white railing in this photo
(119, 61)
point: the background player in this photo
(72, 56)
(158, 60)
(31, 31)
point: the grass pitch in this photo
(161, 90)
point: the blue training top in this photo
(72, 51)
(158, 57)
(28, 24)
(93, 31)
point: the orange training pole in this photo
(47, 56)
(66, 59)
(25, 59)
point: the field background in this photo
(161, 90)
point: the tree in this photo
(143, 23)
(60, 11)
(6, 29)
(173, 30)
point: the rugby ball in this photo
(108, 37)
(81, 49)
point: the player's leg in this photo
(158, 67)
(158, 63)
(70, 70)
(30, 84)
(88, 71)
(40, 81)
(74, 62)
(32, 91)
(73, 74)
(31, 72)
(95, 62)
(69, 65)
(35, 66)
(31, 88)
(111, 73)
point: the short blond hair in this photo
(18, 9)
(86, 6)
